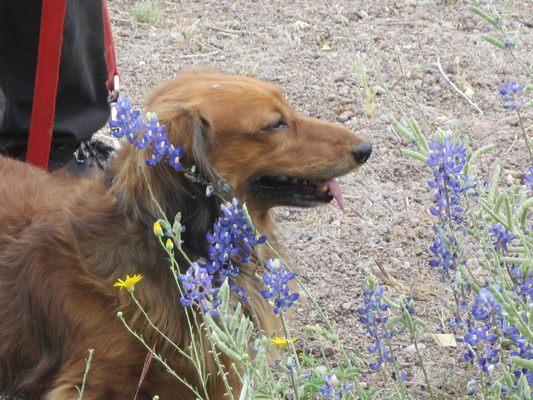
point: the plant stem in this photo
(195, 363)
(85, 374)
(412, 333)
(293, 350)
(174, 267)
(159, 358)
(229, 390)
(398, 376)
(526, 140)
(522, 64)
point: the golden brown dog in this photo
(65, 241)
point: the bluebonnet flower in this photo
(199, 289)
(328, 390)
(373, 317)
(129, 124)
(447, 161)
(512, 95)
(490, 358)
(276, 285)
(174, 157)
(232, 237)
(445, 252)
(486, 307)
(501, 237)
(476, 335)
(523, 349)
(525, 287)
(528, 178)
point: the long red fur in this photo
(65, 241)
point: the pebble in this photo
(345, 116)
(398, 252)
(411, 348)
(362, 14)
(335, 258)
(435, 89)
(347, 306)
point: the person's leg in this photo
(82, 106)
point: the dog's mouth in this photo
(295, 191)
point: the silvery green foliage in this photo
(495, 240)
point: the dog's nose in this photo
(362, 152)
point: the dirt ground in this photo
(308, 48)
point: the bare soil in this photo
(308, 48)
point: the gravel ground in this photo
(308, 48)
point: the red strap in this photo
(47, 76)
(46, 79)
(110, 57)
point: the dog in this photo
(64, 241)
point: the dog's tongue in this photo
(336, 192)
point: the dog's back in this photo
(27, 193)
(28, 198)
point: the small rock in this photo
(335, 222)
(345, 116)
(395, 261)
(335, 258)
(398, 252)
(398, 221)
(412, 349)
(347, 306)
(434, 89)
(331, 97)
(362, 14)
(340, 19)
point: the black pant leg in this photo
(82, 96)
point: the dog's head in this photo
(243, 130)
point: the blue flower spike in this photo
(277, 286)
(144, 133)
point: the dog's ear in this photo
(202, 144)
(189, 129)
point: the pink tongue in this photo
(336, 192)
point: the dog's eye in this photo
(276, 125)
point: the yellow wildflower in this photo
(281, 342)
(169, 244)
(158, 231)
(129, 283)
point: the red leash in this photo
(47, 77)
(110, 57)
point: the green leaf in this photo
(422, 325)
(419, 134)
(522, 363)
(494, 183)
(415, 154)
(484, 15)
(401, 130)
(508, 212)
(521, 213)
(516, 260)
(493, 41)
(478, 153)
